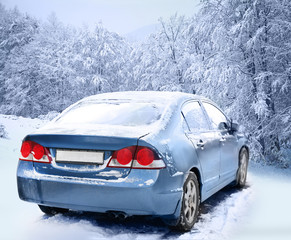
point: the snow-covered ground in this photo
(262, 210)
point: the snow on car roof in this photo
(145, 96)
(170, 100)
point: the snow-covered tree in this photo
(16, 31)
(59, 66)
(160, 63)
(252, 40)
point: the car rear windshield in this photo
(112, 113)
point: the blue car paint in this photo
(132, 195)
(60, 187)
(133, 191)
(81, 142)
(183, 154)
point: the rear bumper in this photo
(150, 192)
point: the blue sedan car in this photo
(133, 153)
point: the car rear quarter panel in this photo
(174, 146)
(242, 141)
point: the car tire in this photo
(52, 210)
(190, 204)
(241, 175)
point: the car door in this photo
(198, 131)
(227, 140)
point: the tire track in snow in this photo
(221, 214)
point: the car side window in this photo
(215, 115)
(195, 117)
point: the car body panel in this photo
(208, 157)
(142, 192)
(228, 154)
(98, 143)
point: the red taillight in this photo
(145, 156)
(32, 151)
(137, 157)
(26, 148)
(38, 151)
(124, 156)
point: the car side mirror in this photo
(233, 126)
(222, 126)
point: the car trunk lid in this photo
(81, 156)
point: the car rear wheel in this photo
(242, 169)
(52, 210)
(190, 203)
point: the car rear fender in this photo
(178, 153)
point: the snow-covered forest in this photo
(236, 52)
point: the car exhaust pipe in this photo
(118, 215)
(122, 215)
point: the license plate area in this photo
(79, 156)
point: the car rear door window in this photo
(215, 115)
(195, 117)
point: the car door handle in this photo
(200, 144)
(222, 139)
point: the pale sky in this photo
(121, 16)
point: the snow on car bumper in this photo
(150, 192)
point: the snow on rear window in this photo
(112, 113)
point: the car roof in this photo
(146, 96)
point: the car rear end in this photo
(96, 173)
